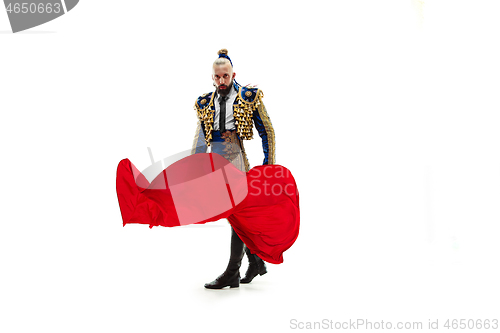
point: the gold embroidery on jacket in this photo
(243, 117)
(196, 136)
(243, 114)
(206, 115)
(271, 140)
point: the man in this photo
(225, 118)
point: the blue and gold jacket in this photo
(248, 110)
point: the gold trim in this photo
(245, 159)
(271, 140)
(206, 115)
(243, 114)
(196, 136)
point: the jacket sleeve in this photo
(199, 144)
(266, 132)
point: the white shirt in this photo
(229, 110)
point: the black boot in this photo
(256, 266)
(231, 277)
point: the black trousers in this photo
(237, 251)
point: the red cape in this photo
(261, 205)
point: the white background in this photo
(386, 112)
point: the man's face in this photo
(223, 78)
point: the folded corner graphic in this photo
(25, 14)
(262, 205)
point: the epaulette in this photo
(203, 101)
(249, 94)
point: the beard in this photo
(224, 92)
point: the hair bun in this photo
(222, 51)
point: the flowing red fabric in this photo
(261, 205)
